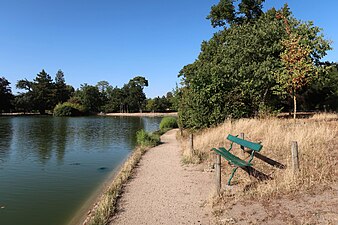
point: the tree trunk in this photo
(294, 106)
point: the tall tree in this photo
(298, 67)
(235, 73)
(90, 97)
(224, 13)
(5, 95)
(62, 91)
(43, 92)
(135, 97)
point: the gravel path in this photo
(163, 191)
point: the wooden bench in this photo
(234, 160)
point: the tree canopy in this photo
(5, 95)
(236, 73)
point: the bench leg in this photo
(232, 175)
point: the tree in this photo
(134, 96)
(235, 75)
(43, 92)
(5, 95)
(62, 91)
(224, 13)
(90, 97)
(298, 68)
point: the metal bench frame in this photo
(234, 160)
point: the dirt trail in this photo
(163, 191)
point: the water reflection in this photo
(5, 138)
(60, 126)
(46, 162)
(45, 137)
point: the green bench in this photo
(234, 160)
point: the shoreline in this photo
(146, 114)
(82, 213)
(109, 191)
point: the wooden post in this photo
(191, 144)
(295, 158)
(241, 135)
(218, 173)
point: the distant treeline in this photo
(43, 94)
(257, 63)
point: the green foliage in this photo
(68, 109)
(129, 98)
(5, 95)
(160, 104)
(225, 12)
(322, 93)
(42, 93)
(236, 72)
(146, 139)
(62, 91)
(168, 123)
(90, 97)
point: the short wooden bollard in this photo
(218, 173)
(191, 147)
(295, 158)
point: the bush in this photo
(68, 109)
(168, 123)
(146, 139)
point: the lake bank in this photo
(65, 160)
(141, 114)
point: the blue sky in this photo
(94, 40)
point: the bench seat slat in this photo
(231, 158)
(253, 146)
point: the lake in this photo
(49, 167)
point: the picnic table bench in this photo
(234, 160)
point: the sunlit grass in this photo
(317, 141)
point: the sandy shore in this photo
(141, 114)
(163, 191)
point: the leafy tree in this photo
(62, 91)
(43, 92)
(23, 102)
(298, 67)
(134, 96)
(5, 95)
(322, 93)
(235, 73)
(225, 12)
(104, 88)
(90, 97)
(115, 100)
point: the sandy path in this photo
(163, 191)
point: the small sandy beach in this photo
(163, 191)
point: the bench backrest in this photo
(251, 145)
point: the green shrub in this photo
(168, 123)
(68, 109)
(146, 139)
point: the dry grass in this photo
(106, 206)
(317, 141)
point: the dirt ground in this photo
(300, 209)
(163, 191)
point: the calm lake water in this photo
(50, 166)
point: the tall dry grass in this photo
(318, 152)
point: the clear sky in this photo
(116, 40)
